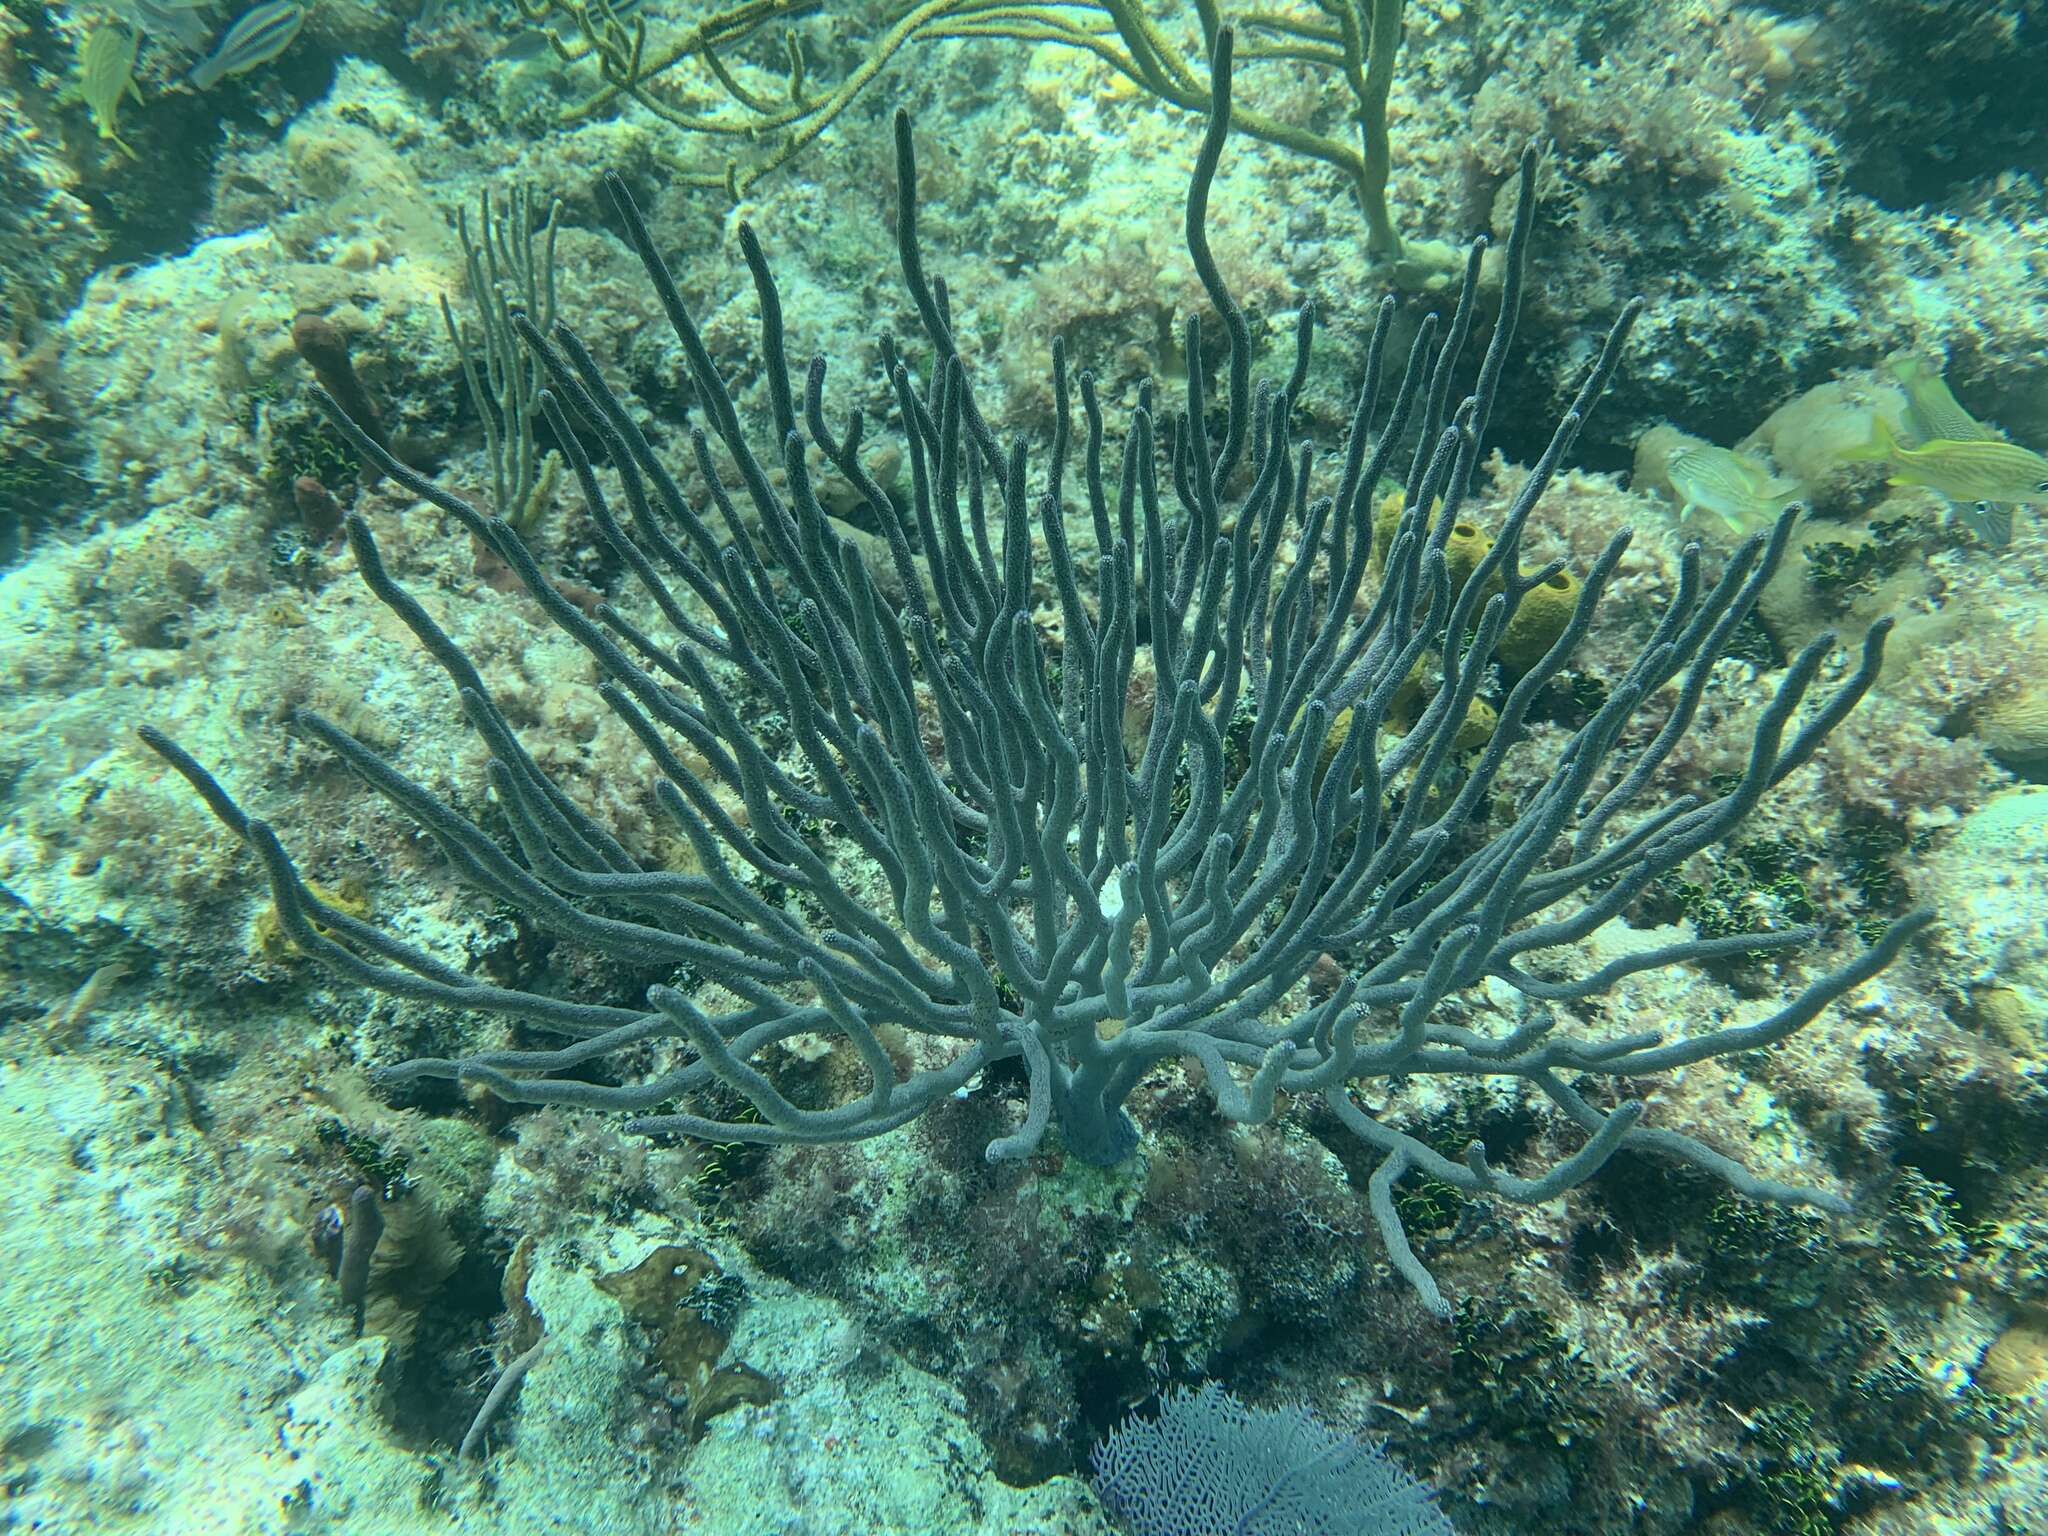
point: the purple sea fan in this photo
(1210, 1465)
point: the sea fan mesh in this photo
(1209, 1465)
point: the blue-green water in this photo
(997, 769)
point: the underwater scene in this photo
(1024, 767)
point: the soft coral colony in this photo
(1054, 899)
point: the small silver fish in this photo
(176, 21)
(259, 36)
(533, 44)
(524, 46)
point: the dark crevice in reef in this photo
(443, 1380)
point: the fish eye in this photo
(1984, 506)
(2042, 488)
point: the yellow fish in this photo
(1931, 410)
(1720, 480)
(106, 73)
(1982, 478)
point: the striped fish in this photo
(1982, 478)
(1932, 411)
(106, 72)
(259, 36)
(1742, 491)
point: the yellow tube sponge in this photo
(1466, 546)
(1545, 611)
(1386, 522)
(1333, 743)
(1476, 729)
(1463, 550)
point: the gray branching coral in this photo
(1050, 901)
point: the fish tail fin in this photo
(1881, 444)
(1990, 521)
